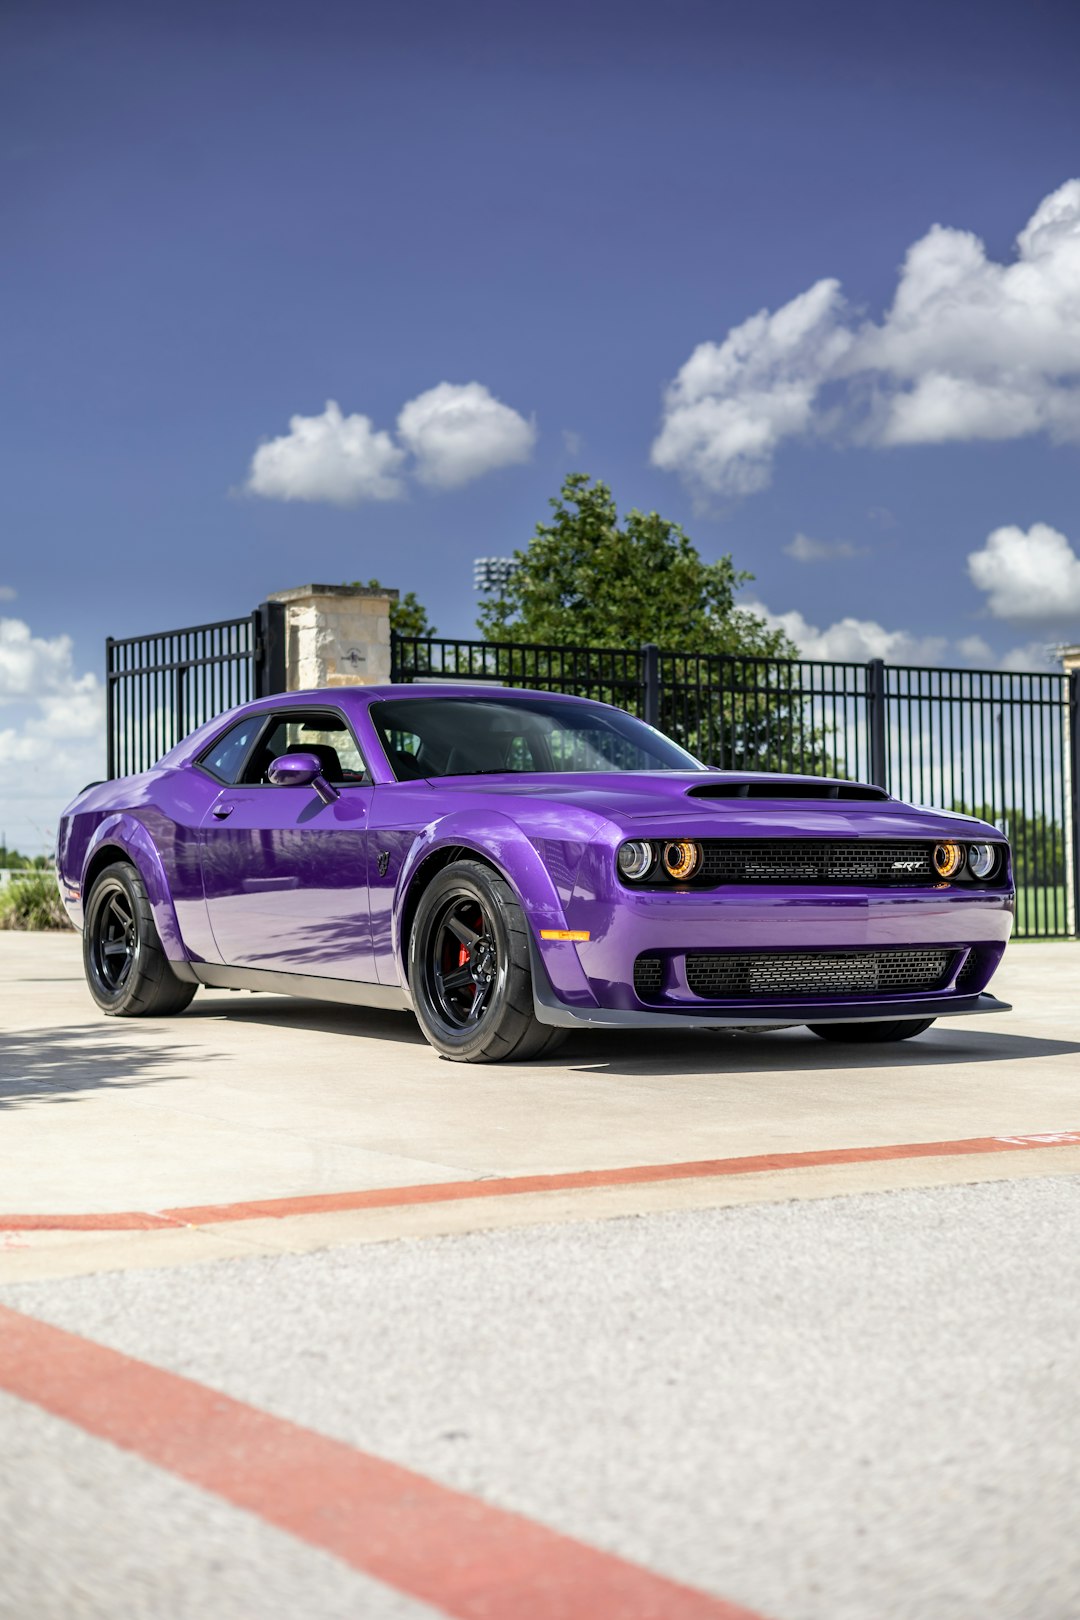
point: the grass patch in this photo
(32, 901)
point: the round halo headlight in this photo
(982, 859)
(682, 859)
(635, 859)
(948, 859)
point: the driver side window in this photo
(322, 733)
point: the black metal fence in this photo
(160, 687)
(1004, 746)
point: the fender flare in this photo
(127, 835)
(499, 841)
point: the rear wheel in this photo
(469, 970)
(126, 969)
(892, 1029)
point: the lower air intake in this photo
(723, 976)
(648, 976)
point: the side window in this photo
(225, 757)
(326, 735)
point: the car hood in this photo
(722, 804)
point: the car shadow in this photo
(57, 1066)
(796, 1050)
(658, 1052)
(322, 1017)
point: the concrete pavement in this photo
(817, 1387)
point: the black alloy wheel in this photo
(885, 1029)
(464, 961)
(127, 971)
(469, 969)
(114, 942)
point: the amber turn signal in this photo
(948, 859)
(682, 859)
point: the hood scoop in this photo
(787, 787)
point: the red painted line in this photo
(448, 1192)
(465, 1557)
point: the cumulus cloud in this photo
(734, 402)
(1030, 577)
(1036, 658)
(856, 641)
(806, 550)
(332, 457)
(853, 640)
(445, 437)
(7, 593)
(54, 731)
(969, 349)
(459, 431)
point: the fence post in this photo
(110, 711)
(650, 684)
(270, 664)
(877, 722)
(1074, 773)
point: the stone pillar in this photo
(336, 635)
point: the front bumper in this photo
(775, 1014)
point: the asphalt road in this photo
(821, 1391)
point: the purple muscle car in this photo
(512, 865)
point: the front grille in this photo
(733, 975)
(808, 860)
(648, 976)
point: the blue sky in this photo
(218, 218)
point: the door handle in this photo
(220, 811)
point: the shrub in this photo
(31, 902)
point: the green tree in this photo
(1037, 843)
(587, 580)
(408, 615)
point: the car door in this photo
(285, 875)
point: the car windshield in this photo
(440, 736)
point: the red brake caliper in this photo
(462, 955)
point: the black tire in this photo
(127, 972)
(885, 1029)
(469, 970)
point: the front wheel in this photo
(885, 1029)
(126, 969)
(469, 970)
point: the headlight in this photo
(635, 859)
(982, 859)
(948, 859)
(682, 859)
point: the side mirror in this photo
(295, 770)
(302, 770)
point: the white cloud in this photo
(7, 593)
(969, 349)
(853, 640)
(454, 432)
(32, 666)
(56, 728)
(1030, 577)
(975, 650)
(806, 550)
(733, 403)
(335, 458)
(1036, 658)
(459, 431)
